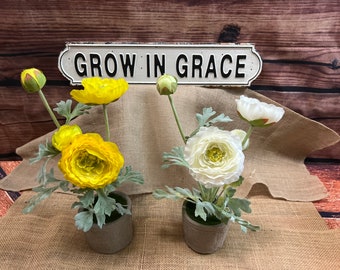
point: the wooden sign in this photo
(199, 64)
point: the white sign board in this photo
(199, 64)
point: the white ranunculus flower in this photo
(215, 157)
(258, 113)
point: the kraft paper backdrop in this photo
(143, 126)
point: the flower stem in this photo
(208, 194)
(47, 106)
(177, 119)
(202, 190)
(250, 130)
(222, 191)
(106, 119)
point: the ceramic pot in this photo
(114, 235)
(202, 237)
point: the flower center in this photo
(90, 163)
(215, 154)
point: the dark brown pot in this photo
(204, 238)
(114, 235)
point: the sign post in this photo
(199, 64)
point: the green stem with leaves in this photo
(177, 119)
(47, 106)
(106, 119)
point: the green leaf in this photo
(243, 228)
(209, 208)
(222, 118)
(175, 157)
(238, 182)
(104, 205)
(172, 193)
(122, 210)
(111, 187)
(84, 220)
(44, 151)
(80, 109)
(87, 199)
(127, 174)
(204, 208)
(230, 192)
(199, 211)
(76, 205)
(236, 205)
(204, 119)
(184, 192)
(65, 109)
(43, 193)
(162, 194)
(64, 186)
(100, 219)
(246, 225)
(50, 178)
(45, 178)
(49, 185)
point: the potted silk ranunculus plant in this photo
(215, 159)
(93, 167)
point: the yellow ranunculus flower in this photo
(98, 91)
(64, 136)
(91, 162)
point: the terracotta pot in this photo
(202, 237)
(114, 235)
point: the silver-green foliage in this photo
(217, 201)
(99, 208)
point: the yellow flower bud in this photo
(32, 80)
(64, 136)
(166, 84)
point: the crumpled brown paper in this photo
(143, 126)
